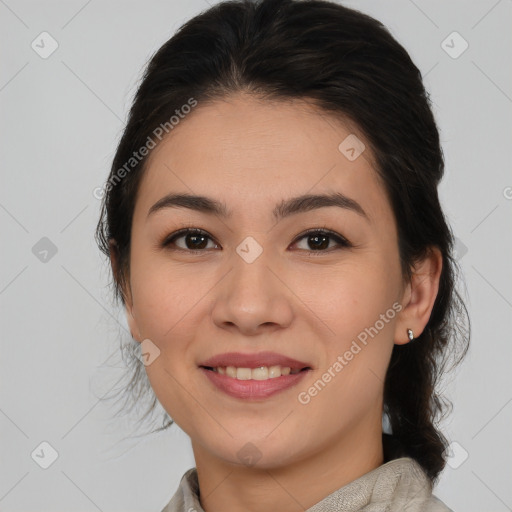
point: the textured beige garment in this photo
(398, 485)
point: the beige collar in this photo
(400, 484)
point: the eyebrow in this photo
(284, 209)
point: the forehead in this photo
(251, 153)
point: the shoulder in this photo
(186, 496)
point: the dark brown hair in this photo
(349, 65)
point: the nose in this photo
(253, 298)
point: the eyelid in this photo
(326, 231)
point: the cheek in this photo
(348, 299)
(163, 294)
(165, 304)
(358, 308)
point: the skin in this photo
(251, 154)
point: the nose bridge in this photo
(251, 274)
(252, 294)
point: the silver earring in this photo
(410, 334)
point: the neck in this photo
(295, 486)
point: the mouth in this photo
(253, 377)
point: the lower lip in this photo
(253, 389)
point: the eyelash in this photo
(340, 240)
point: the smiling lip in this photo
(241, 360)
(252, 389)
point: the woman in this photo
(275, 234)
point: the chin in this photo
(257, 453)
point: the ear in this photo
(419, 297)
(127, 296)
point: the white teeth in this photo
(260, 373)
(243, 373)
(231, 371)
(274, 371)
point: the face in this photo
(251, 282)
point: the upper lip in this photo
(241, 360)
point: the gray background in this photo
(61, 117)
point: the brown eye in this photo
(194, 240)
(318, 240)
